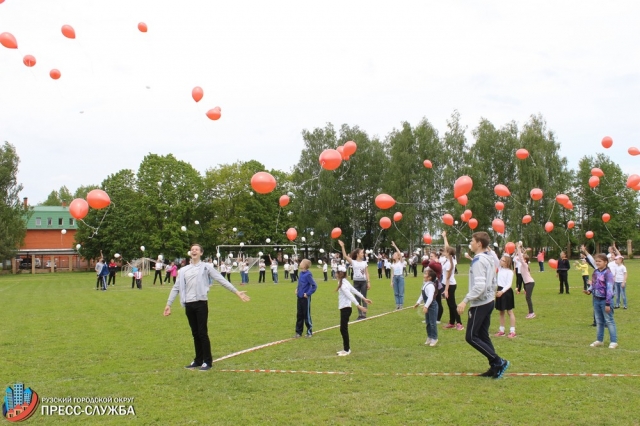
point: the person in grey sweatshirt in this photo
(481, 300)
(193, 286)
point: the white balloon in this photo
(268, 240)
(230, 255)
(183, 228)
(142, 248)
(196, 196)
(260, 254)
(470, 247)
(64, 231)
(466, 253)
(197, 222)
(130, 274)
(311, 233)
(241, 244)
(159, 183)
(495, 244)
(235, 229)
(303, 239)
(250, 192)
(117, 255)
(359, 240)
(321, 250)
(290, 194)
(161, 257)
(189, 253)
(218, 255)
(456, 222)
(78, 246)
(286, 256)
(215, 262)
(320, 262)
(235, 264)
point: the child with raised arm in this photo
(397, 277)
(601, 288)
(430, 309)
(529, 284)
(450, 285)
(306, 287)
(345, 299)
(361, 280)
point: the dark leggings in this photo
(454, 316)
(440, 308)
(528, 288)
(585, 279)
(345, 313)
(519, 281)
(562, 275)
(325, 276)
(261, 277)
(379, 272)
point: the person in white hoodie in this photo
(482, 285)
(345, 299)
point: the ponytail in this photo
(339, 284)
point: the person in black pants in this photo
(262, 267)
(113, 268)
(158, 268)
(563, 272)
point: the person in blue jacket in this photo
(306, 287)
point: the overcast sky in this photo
(278, 67)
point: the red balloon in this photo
(346, 158)
(78, 208)
(463, 217)
(98, 199)
(385, 222)
(340, 149)
(330, 159)
(634, 151)
(284, 200)
(55, 74)
(633, 180)
(548, 227)
(427, 164)
(597, 172)
(462, 186)
(499, 206)
(350, 148)
(501, 191)
(510, 248)
(536, 194)
(142, 27)
(8, 41)
(607, 142)
(463, 200)
(426, 238)
(589, 234)
(526, 219)
(522, 153)
(594, 181)
(467, 214)
(336, 232)
(29, 60)
(553, 263)
(263, 183)
(498, 226)
(637, 187)
(68, 31)
(562, 199)
(384, 201)
(197, 93)
(447, 219)
(292, 234)
(214, 114)
(568, 205)
(473, 223)
(571, 224)
(606, 217)
(397, 217)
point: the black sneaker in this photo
(502, 369)
(205, 367)
(489, 373)
(193, 365)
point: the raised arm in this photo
(396, 247)
(344, 252)
(446, 243)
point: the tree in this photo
(13, 214)
(57, 198)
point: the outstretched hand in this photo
(243, 296)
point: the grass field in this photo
(63, 338)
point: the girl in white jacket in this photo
(345, 299)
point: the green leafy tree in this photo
(13, 214)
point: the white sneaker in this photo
(344, 353)
(613, 345)
(428, 341)
(596, 344)
(433, 343)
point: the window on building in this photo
(70, 221)
(49, 221)
(59, 221)
(38, 221)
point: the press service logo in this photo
(19, 403)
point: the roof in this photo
(55, 213)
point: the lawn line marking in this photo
(277, 342)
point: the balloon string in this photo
(461, 234)
(605, 227)
(95, 230)
(345, 172)
(278, 221)
(550, 214)
(377, 240)
(394, 224)
(602, 197)
(554, 241)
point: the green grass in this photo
(63, 338)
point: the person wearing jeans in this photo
(601, 288)
(620, 279)
(430, 309)
(541, 260)
(397, 280)
(274, 270)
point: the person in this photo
(404, 267)
(562, 272)
(620, 281)
(274, 270)
(582, 266)
(505, 300)
(589, 260)
(294, 268)
(517, 264)
(262, 267)
(529, 284)
(306, 287)
(167, 272)
(324, 270)
(414, 264)
(286, 267)
(482, 284)
(158, 267)
(448, 266)
(601, 289)
(397, 280)
(425, 261)
(137, 276)
(113, 268)
(102, 270)
(193, 287)
(223, 269)
(334, 266)
(430, 309)
(380, 266)
(361, 279)
(345, 299)
(435, 264)
(174, 272)
(541, 260)
(229, 269)
(387, 266)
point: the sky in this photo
(276, 68)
